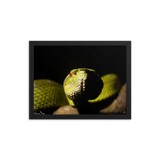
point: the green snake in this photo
(81, 86)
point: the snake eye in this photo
(75, 72)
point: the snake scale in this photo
(80, 86)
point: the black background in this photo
(55, 62)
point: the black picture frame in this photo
(126, 44)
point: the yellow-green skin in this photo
(111, 86)
(72, 82)
(49, 94)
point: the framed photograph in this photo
(53, 59)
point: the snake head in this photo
(82, 84)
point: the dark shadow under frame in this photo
(127, 44)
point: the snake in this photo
(81, 86)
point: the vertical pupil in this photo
(73, 73)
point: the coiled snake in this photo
(81, 86)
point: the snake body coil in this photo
(80, 85)
(48, 94)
